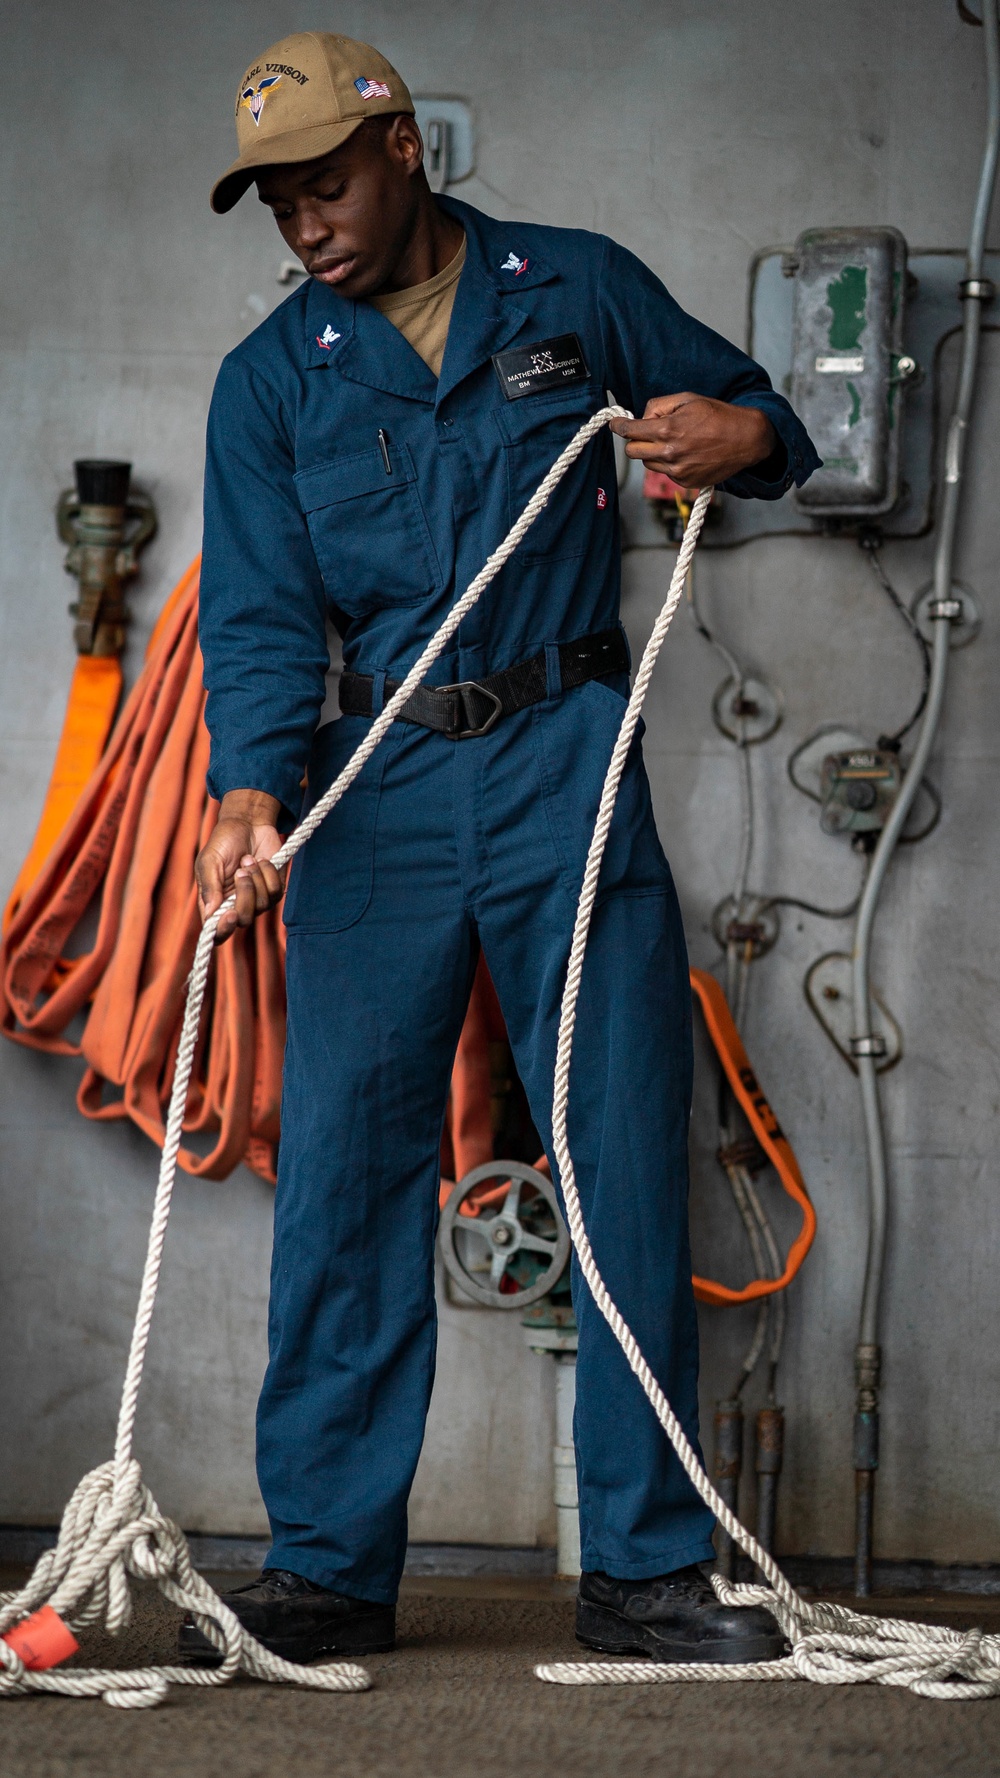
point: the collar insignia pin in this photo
(327, 338)
(515, 265)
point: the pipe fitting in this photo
(866, 1439)
(867, 1377)
(769, 1441)
(952, 610)
(769, 1447)
(728, 1456)
(727, 1465)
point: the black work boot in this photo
(298, 1620)
(674, 1617)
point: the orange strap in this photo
(90, 710)
(768, 1131)
(94, 694)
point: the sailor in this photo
(368, 446)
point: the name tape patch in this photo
(548, 365)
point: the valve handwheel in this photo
(508, 1253)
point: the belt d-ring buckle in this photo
(470, 734)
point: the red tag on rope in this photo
(42, 1640)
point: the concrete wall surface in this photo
(696, 132)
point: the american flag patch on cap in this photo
(372, 89)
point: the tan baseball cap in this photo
(301, 99)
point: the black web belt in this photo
(476, 705)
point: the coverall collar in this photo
(359, 343)
(487, 315)
(362, 345)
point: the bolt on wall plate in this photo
(747, 711)
(755, 924)
(829, 987)
(449, 139)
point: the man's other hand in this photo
(697, 441)
(238, 857)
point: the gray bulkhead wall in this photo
(696, 132)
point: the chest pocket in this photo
(368, 530)
(535, 431)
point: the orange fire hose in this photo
(126, 854)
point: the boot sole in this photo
(600, 1628)
(364, 1636)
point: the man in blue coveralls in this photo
(368, 446)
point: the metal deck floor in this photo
(458, 1700)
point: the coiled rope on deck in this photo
(113, 1528)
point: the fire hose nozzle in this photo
(105, 523)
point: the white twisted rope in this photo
(112, 1526)
(830, 1644)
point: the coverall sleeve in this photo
(653, 347)
(262, 607)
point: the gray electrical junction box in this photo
(847, 342)
(931, 323)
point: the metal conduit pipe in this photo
(943, 612)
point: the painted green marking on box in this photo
(855, 413)
(847, 295)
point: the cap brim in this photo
(275, 151)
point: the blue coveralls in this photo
(443, 847)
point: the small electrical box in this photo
(848, 366)
(858, 789)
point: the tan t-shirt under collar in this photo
(423, 312)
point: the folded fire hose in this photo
(132, 838)
(112, 1526)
